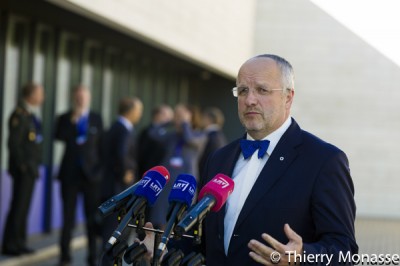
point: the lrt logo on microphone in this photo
(183, 185)
(153, 185)
(156, 187)
(145, 181)
(221, 181)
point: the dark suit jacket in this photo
(306, 183)
(215, 140)
(85, 156)
(151, 147)
(25, 154)
(119, 156)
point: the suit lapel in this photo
(279, 161)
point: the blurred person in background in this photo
(120, 160)
(213, 121)
(80, 129)
(185, 144)
(25, 155)
(152, 147)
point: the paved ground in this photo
(373, 236)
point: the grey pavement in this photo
(374, 236)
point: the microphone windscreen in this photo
(220, 187)
(183, 189)
(150, 186)
(162, 170)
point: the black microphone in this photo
(118, 201)
(193, 259)
(211, 197)
(134, 252)
(172, 258)
(180, 199)
(126, 197)
(148, 191)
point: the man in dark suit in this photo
(80, 129)
(120, 167)
(25, 155)
(152, 148)
(213, 121)
(293, 192)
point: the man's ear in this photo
(289, 98)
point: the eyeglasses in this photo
(244, 91)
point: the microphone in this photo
(180, 199)
(173, 258)
(134, 252)
(116, 202)
(193, 259)
(211, 197)
(148, 190)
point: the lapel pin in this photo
(282, 158)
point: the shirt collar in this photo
(275, 136)
(35, 110)
(212, 127)
(127, 124)
(85, 112)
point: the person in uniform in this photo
(25, 155)
(80, 172)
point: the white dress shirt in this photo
(35, 110)
(245, 174)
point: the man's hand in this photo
(276, 255)
(148, 241)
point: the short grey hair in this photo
(286, 68)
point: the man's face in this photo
(182, 114)
(262, 114)
(167, 115)
(82, 98)
(136, 113)
(37, 96)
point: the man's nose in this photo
(251, 98)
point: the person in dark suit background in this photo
(185, 143)
(152, 148)
(25, 155)
(293, 191)
(120, 162)
(213, 121)
(80, 172)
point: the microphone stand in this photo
(198, 233)
(116, 251)
(157, 241)
(157, 231)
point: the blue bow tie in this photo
(250, 146)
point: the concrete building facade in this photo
(347, 93)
